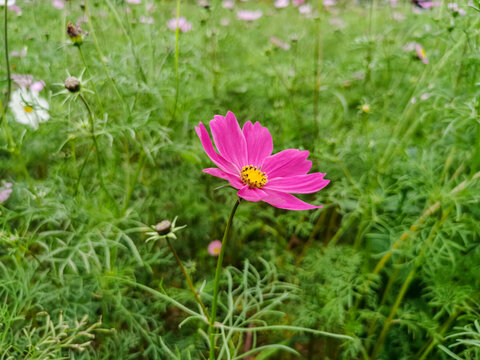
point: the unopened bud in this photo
(75, 34)
(72, 84)
(163, 228)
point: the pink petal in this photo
(287, 163)
(232, 179)
(37, 86)
(212, 154)
(229, 139)
(259, 143)
(299, 184)
(286, 201)
(251, 194)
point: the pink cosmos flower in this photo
(421, 54)
(183, 24)
(279, 4)
(15, 8)
(305, 9)
(214, 247)
(5, 192)
(135, 2)
(146, 19)
(58, 4)
(228, 4)
(25, 81)
(244, 159)
(248, 15)
(298, 2)
(279, 43)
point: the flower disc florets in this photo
(253, 177)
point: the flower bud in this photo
(163, 228)
(72, 84)
(75, 34)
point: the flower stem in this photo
(189, 281)
(97, 149)
(211, 329)
(177, 73)
(7, 60)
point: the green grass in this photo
(404, 184)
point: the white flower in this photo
(29, 108)
(9, 2)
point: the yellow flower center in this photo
(216, 250)
(28, 109)
(253, 177)
(424, 54)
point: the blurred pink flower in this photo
(428, 4)
(279, 43)
(249, 15)
(305, 9)
(214, 247)
(224, 22)
(329, 3)
(5, 192)
(135, 2)
(37, 86)
(22, 80)
(244, 159)
(25, 81)
(421, 54)
(15, 8)
(146, 19)
(279, 4)
(58, 4)
(21, 53)
(228, 4)
(183, 24)
(298, 2)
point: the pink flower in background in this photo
(279, 43)
(58, 4)
(249, 15)
(244, 159)
(298, 2)
(214, 247)
(135, 2)
(5, 192)
(427, 4)
(25, 81)
(228, 4)
(146, 19)
(15, 8)
(37, 86)
(421, 54)
(21, 53)
(305, 9)
(183, 25)
(279, 4)
(329, 3)
(225, 22)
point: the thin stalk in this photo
(7, 60)
(433, 342)
(177, 73)
(97, 152)
(97, 98)
(218, 271)
(131, 186)
(317, 65)
(407, 282)
(187, 278)
(101, 57)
